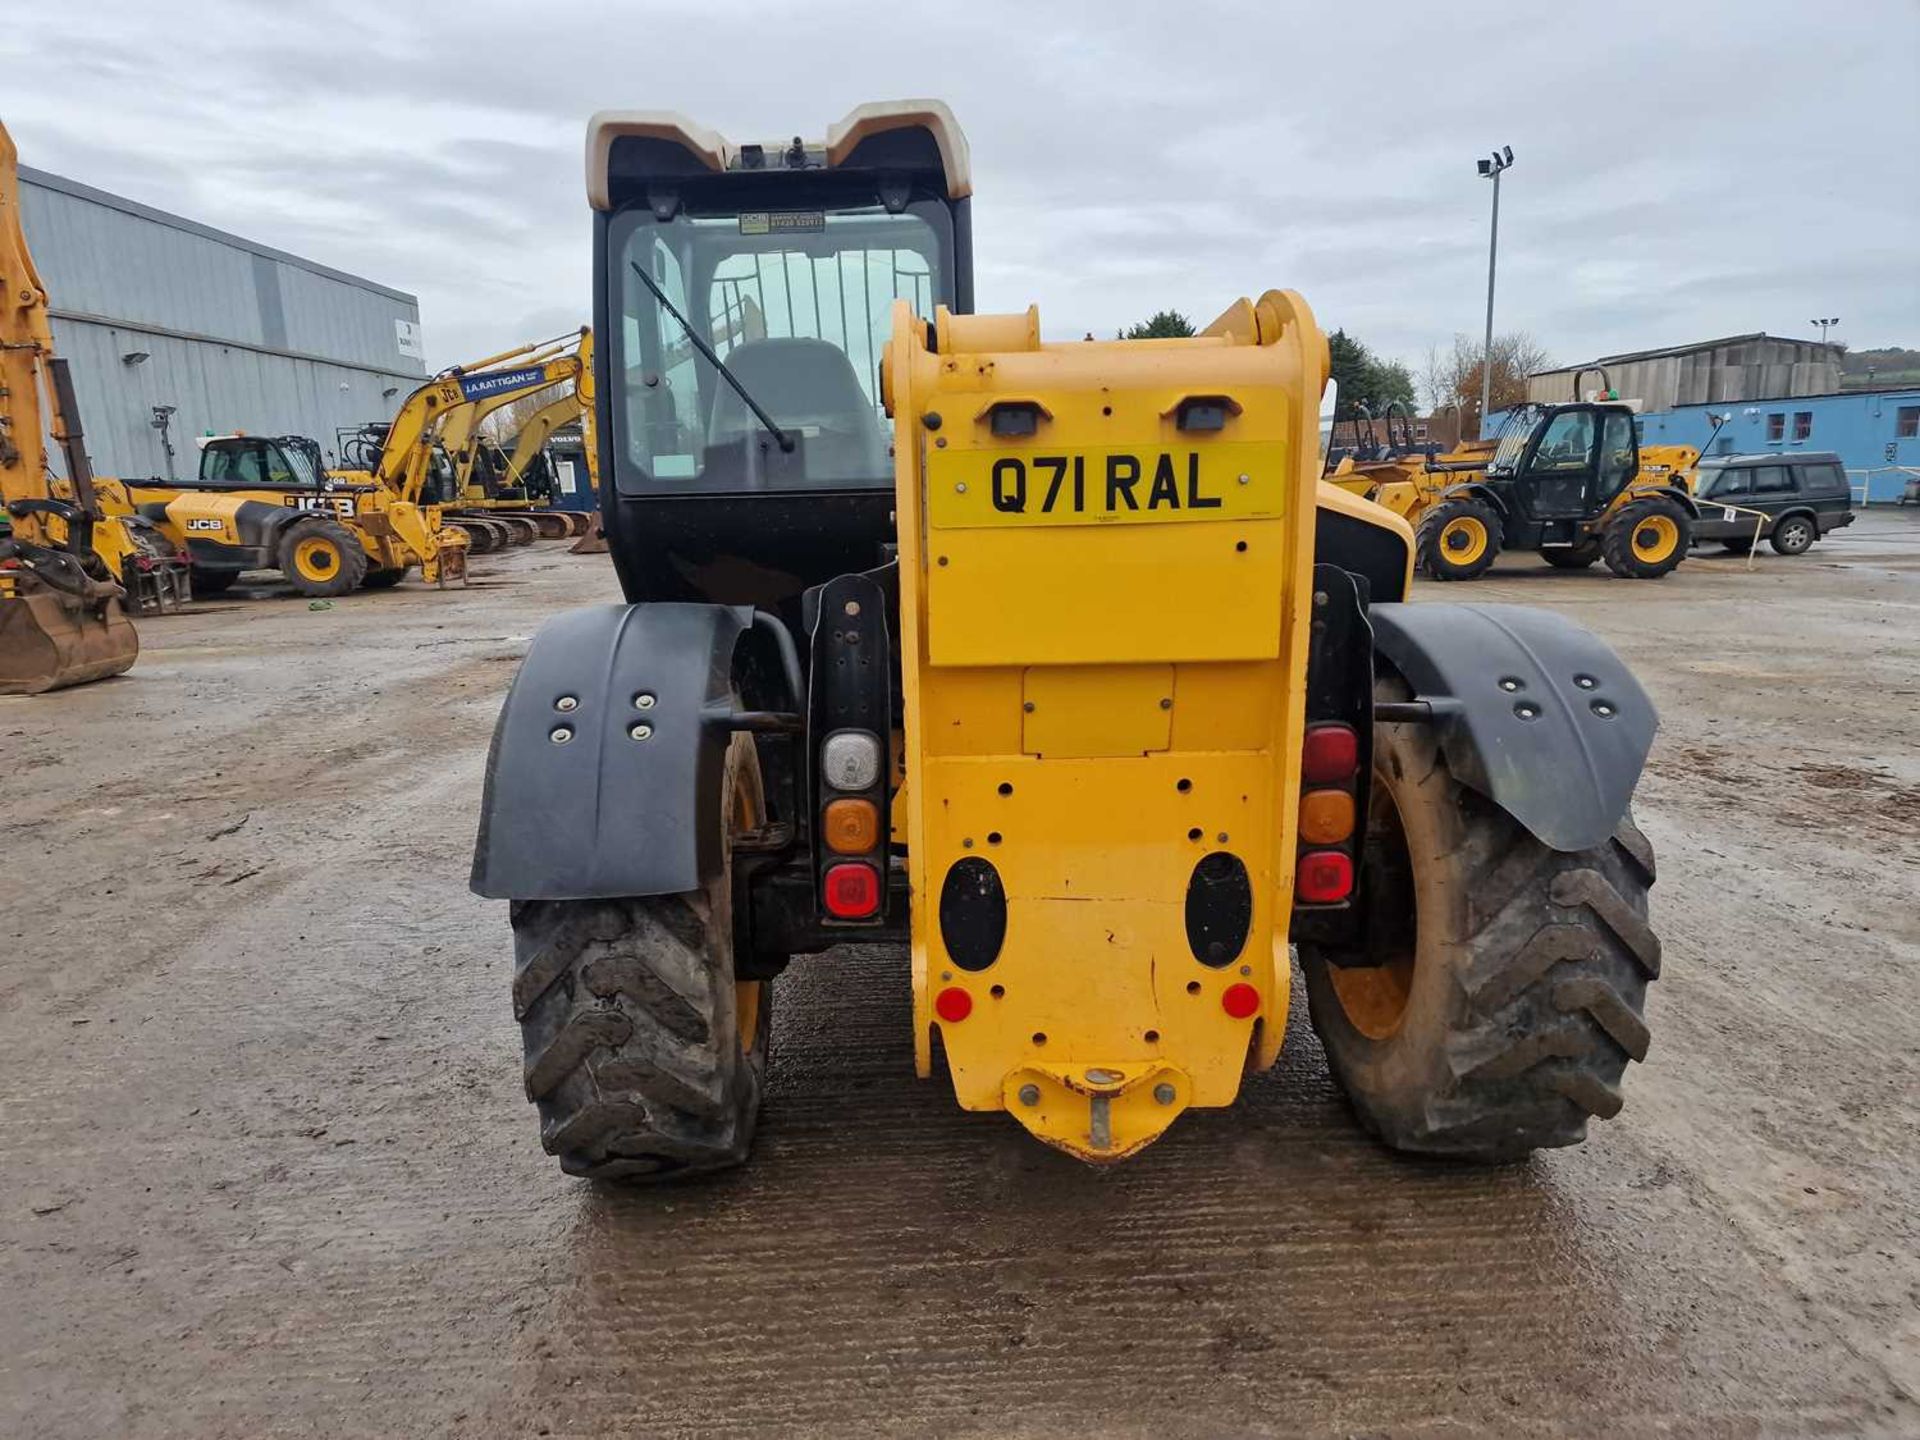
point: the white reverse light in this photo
(850, 762)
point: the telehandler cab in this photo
(1090, 694)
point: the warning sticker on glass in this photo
(780, 222)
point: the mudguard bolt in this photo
(641, 732)
(566, 702)
(560, 734)
(961, 488)
(643, 701)
(1029, 1094)
(1163, 1092)
(1242, 479)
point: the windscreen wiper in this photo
(781, 437)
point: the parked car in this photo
(1802, 496)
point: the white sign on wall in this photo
(406, 334)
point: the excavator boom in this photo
(62, 621)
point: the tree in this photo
(1453, 377)
(1165, 325)
(1364, 379)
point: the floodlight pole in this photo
(1491, 168)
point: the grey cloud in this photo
(1684, 170)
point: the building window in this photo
(1776, 427)
(1906, 424)
(1802, 424)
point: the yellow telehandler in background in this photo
(1056, 665)
(1571, 482)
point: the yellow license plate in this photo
(971, 489)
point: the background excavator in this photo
(420, 455)
(63, 606)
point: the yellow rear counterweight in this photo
(1106, 559)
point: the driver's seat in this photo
(809, 385)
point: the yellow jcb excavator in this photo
(490, 483)
(417, 456)
(63, 611)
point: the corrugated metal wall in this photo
(238, 336)
(1748, 368)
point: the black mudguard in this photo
(1567, 770)
(603, 814)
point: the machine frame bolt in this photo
(1029, 1094)
(1164, 1093)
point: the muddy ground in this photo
(266, 1168)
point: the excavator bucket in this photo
(594, 542)
(49, 641)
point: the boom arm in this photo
(36, 396)
(406, 459)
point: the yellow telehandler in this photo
(1055, 664)
(63, 608)
(1571, 482)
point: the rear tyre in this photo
(213, 582)
(1572, 557)
(1646, 538)
(1457, 540)
(321, 558)
(384, 579)
(1504, 987)
(643, 1054)
(1793, 536)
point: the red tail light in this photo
(851, 891)
(1331, 754)
(1324, 876)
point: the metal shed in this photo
(154, 310)
(1736, 367)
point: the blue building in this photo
(1876, 433)
(1777, 394)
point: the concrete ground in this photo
(266, 1168)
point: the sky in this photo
(1683, 170)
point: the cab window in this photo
(234, 465)
(1568, 443)
(798, 306)
(1772, 480)
(1619, 459)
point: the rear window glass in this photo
(1823, 479)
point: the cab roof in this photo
(625, 147)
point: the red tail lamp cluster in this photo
(1329, 814)
(852, 886)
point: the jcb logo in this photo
(207, 523)
(341, 505)
(1060, 484)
